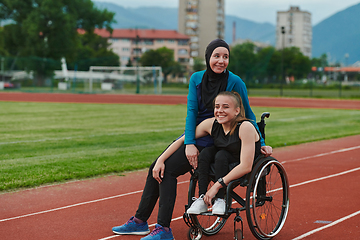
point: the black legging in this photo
(222, 159)
(176, 165)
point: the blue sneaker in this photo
(131, 227)
(159, 233)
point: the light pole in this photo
(282, 60)
(346, 64)
(137, 63)
(2, 68)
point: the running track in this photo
(324, 199)
(172, 99)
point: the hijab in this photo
(213, 83)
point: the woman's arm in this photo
(203, 129)
(159, 168)
(191, 110)
(248, 136)
(191, 150)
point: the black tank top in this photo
(230, 143)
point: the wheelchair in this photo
(266, 203)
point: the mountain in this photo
(245, 29)
(336, 36)
(167, 18)
(339, 35)
(143, 17)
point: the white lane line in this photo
(326, 226)
(76, 205)
(326, 177)
(323, 154)
(69, 206)
(140, 191)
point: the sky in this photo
(257, 10)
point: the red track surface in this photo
(173, 99)
(324, 186)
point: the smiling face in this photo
(225, 109)
(219, 60)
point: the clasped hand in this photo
(158, 171)
(192, 154)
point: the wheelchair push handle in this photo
(262, 123)
(265, 115)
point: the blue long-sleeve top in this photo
(197, 112)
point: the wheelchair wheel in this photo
(208, 223)
(267, 199)
(194, 234)
(238, 235)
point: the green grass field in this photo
(45, 143)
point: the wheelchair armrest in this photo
(243, 181)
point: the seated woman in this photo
(236, 141)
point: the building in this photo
(297, 30)
(203, 21)
(130, 44)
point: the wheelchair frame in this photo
(266, 203)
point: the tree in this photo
(3, 51)
(48, 29)
(295, 63)
(198, 65)
(243, 60)
(263, 68)
(320, 62)
(177, 69)
(162, 57)
(92, 50)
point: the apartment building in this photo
(130, 44)
(297, 30)
(203, 21)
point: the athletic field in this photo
(46, 142)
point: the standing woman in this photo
(161, 182)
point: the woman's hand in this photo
(158, 171)
(210, 194)
(266, 150)
(192, 154)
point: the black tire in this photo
(208, 223)
(238, 235)
(194, 234)
(268, 191)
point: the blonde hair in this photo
(238, 104)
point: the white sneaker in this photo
(219, 206)
(198, 206)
